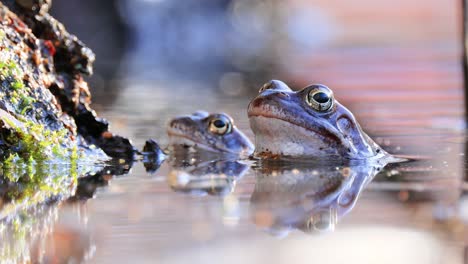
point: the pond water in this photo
(248, 212)
(413, 212)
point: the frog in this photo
(215, 132)
(308, 123)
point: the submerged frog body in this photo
(306, 123)
(214, 132)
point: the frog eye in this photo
(320, 98)
(220, 125)
(266, 86)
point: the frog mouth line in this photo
(329, 137)
(171, 132)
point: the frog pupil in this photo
(321, 97)
(219, 123)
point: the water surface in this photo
(411, 212)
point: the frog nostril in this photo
(173, 123)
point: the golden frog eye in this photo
(220, 125)
(320, 98)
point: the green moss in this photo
(17, 85)
(9, 122)
(10, 68)
(74, 162)
(30, 169)
(12, 76)
(34, 143)
(3, 70)
(14, 100)
(3, 67)
(13, 69)
(38, 142)
(27, 101)
(10, 164)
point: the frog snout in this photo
(179, 122)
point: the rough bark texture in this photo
(41, 71)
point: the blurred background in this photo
(151, 55)
(395, 64)
(233, 46)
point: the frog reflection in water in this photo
(213, 177)
(213, 132)
(308, 123)
(311, 198)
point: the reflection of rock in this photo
(43, 183)
(20, 232)
(69, 240)
(153, 156)
(213, 177)
(32, 232)
(88, 185)
(309, 198)
(43, 235)
(29, 209)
